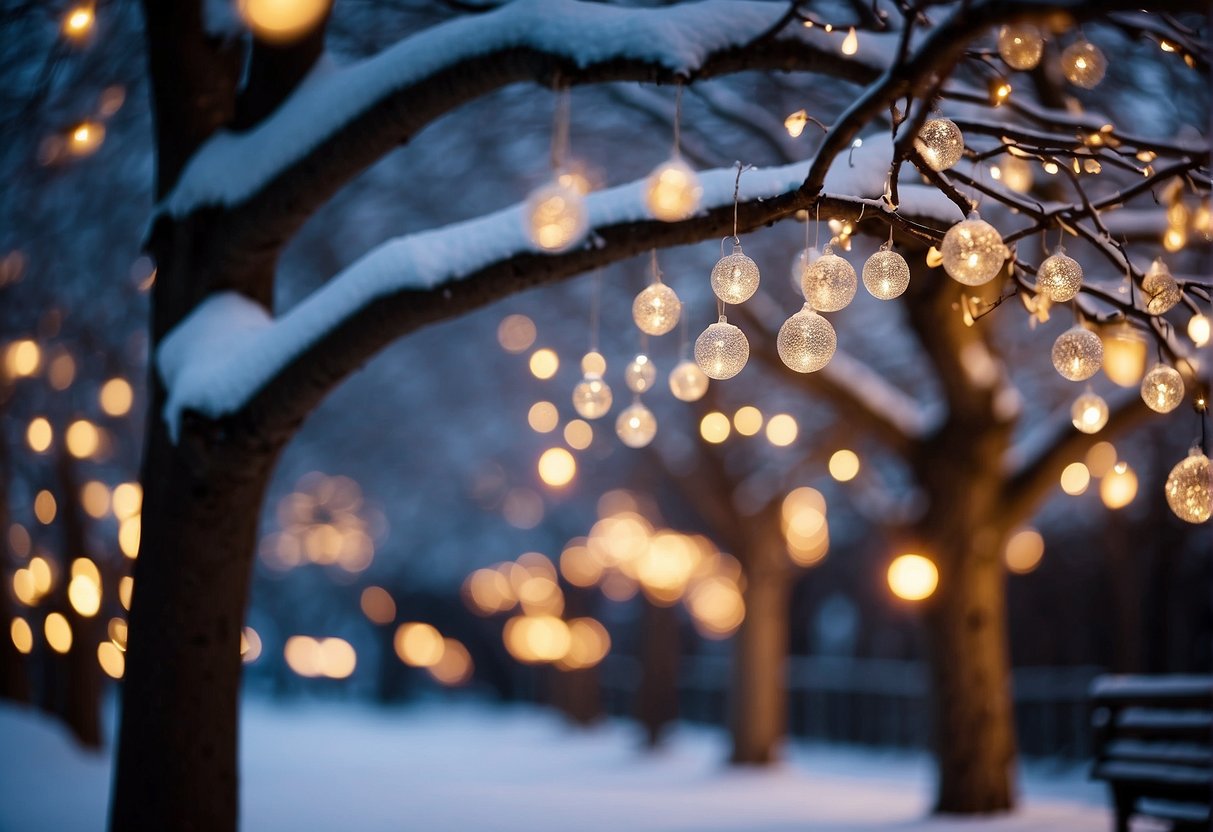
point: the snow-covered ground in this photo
(456, 768)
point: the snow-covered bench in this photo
(1154, 746)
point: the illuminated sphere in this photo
(1089, 413)
(688, 383)
(1160, 289)
(735, 277)
(1016, 174)
(829, 283)
(1020, 45)
(941, 143)
(556, 217)
(276, 21)
(721, 350)
(1190, 488)
(886, 275)
(640, 374)
(973, 252)
(1162, 389)
(1059, 278)
(806, 341)
(1083, 64)
(1077, 354)
(673, 192)
(801, 264)
(592, 397)
(656, 309)
(636, 425)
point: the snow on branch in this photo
(229, 350)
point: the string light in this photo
(556, 217)
(592, 397)
(941, 143)
(722, 350)
(735, 277)
(1198, 330)
(1119, 486)
(1162, 389)
(1089, 413)
(1083, 64)
(1015, 173)
(688, 383)
(673, 191)
(795, 123)
(636, 425)
(1020, 46)
(1160, 288)
(1059, 278)
(275, 21)
(1189, 488)
(640, 374)
(973, 252)
(850, 44)
(1077, 354)
(886, 274)
(656, 309)
(806, 341)
(829, 282)
(78, 21)
(1125, 353)
(85, 138)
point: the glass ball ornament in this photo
(593, 364)
(673, 191)
(806, 341)
(1059, 278)
(636, 425)
(886, 274)
(800, 264)
(722, 350)
(1162, 388)
(640, 374)
(1160, 289)
(829, 282)
(941, 143)
(556, 217)
(1084, 64)
(735, 277)
(973, 252)
(1190, 488)
(1077, 354)
(592, 397)
(688, 383)
(656, 309)
(1089, 413)
(1020, 46)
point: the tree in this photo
(240, 166)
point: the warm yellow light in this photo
(83, 439)
(1198, 330)
(850, 44)
(116, 629)
(593, 363)
(116, 397)
(250, 645)
(557, 467)
(418, 645)
(544, 363)
(45, 507)
(39, 434)
(578, 434)
(22, 358)
(455, 666)
(282, 21)
(58, 632)
(95, 499)
(377, 605)
(556, 217)
(716, 606)
(578, 566)
(337, 658)
(24, 587)
(913, 577)
(43, 575)
(1124, 354)
(22, 635)
(85, 138)
(126, 585)
(673, 191)
(78, 21)
(128, 500)
(543, 417)
(1024, 550)
(1075, 478)
(782, 430)
(537, 638)
(795, 123)
(129, 532)
(1119, 486)
(516, 333)
(84, 590)
(62, 371)
(844, 465)
(1100, 458)
(1175, 238)
(589, 644)
(748, 420)
(714, 427)
(487, 591)
(111, 659)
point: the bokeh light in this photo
(1024, 550)
(913, 577)
(844, 465)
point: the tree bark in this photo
(758, 701)
(14, 679)
(657, 695)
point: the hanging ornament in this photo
(1124, 353)
(673, 191)
(1089, 412)
(1160, 289)
(973, 252)
(688, 383)
(592, 397)
(829, 282)
(806, 341)
(886, 274)
(941, 143)
(1083, 64)
(1162, 389)
(735, 276)
(1190, 488)
(807, 257)
(636, 425)
(593, 364)
(640, 374)
(556, 217)
(1020, 45)
(721, 350)
(1060, 277)
(1077, 354)
(656, 309)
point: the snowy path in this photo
(467, 767)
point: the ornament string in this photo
(595, 299)
(678, 119)
(560, 127)
(736, 193)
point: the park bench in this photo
(1154, 746)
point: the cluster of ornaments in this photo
(1021, 47)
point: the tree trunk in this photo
(14, 679)
(177, 754)
(758, 701)
(657, 695)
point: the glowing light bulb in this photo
(556, 217)
(1059, 278)
(806, 341)
(1161, 290)
(829, 282)
(673, 191)
(1083, 64)
(1015, 173)
(850, 44)
(1077, 354)
(941, 143)
(735, 277)
(85, 138)
(722, 350)
(1089, 413)
(1189, 488)
(1124, 355)
(1020, 46)
(913, 577)
(886, 275)
(78, 21)
(688, 383)
(282, 21)
(593, 364)
(1198, 330)
(795, 123)
(592, 397)
(656, 309)
(636, 425)
(1119, 486)
(640, 374)
(973, 251)
(1162, 389)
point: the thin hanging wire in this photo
(678, 119)
(560, 127)
(656, 268)
(595, 300)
